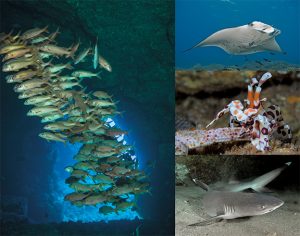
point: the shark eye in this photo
(263, 207)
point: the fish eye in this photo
(263, 207)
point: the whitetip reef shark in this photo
(230, 202)
(242, 40)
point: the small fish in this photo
(72, 179)
(69, 85)
(32, 92)
(53, 117)
(69, 169)
(32, 33)
(101, 103)
(17, 64)
(102, 95)
(123, 206)
(106, 210)
(104, 64)
(76, 196)
(31, 84)
(37, 99)
(40, 111)
(95, 62)
(16, 53)
(95, 199)
(55, 127)
(9, 48)
(59, 51)
(79, 102)
(267, 60)
(53, 137)
(82, 55)
(258, 62)
(85, 74)
(58, 67)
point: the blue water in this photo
(196, 20)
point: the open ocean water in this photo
(196, 20)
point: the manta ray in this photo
(246, 39)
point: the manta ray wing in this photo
(270, 45)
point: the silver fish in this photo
(95, 60)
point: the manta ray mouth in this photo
(275, 32)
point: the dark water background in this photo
(196, 20)
(136, 37)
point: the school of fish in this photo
(45, 76)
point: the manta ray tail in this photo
(195, 46)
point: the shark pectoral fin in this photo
(263, 190)
(208, 221)
(271, 45)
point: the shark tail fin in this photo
(259, 183)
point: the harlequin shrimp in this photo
(255, 123)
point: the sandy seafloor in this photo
(284, 221)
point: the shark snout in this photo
(272, 205)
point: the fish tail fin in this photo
(45, 29)
(53, 35)
(98, 75)
(121, 113)
(79, 81)
(69, 66)
(259, 183)
(79, 85)
(73, 49)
